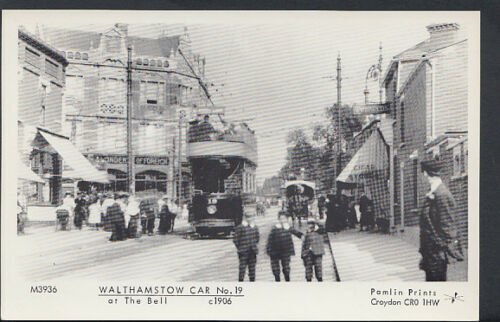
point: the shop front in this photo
(54, 158)
(150, 172)
(368, 173)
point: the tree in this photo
(318, 155)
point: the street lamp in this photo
(374, 73)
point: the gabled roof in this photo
(415, 54)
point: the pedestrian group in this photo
(118, 213)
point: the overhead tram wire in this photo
(140, 69)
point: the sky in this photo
(279, 74)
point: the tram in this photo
(223, 165)
(299, 199)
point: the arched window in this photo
(146, 62)
(85, 56)
(78, 55)
(70, 54)
(166, 64)
(159, 63)
(152, 63)
(139, 61)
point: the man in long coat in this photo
(246, 240)
(280, 247)
(438, 235)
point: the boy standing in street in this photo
(313, 250)
(246, 240)
(280, 247)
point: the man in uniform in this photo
(438, 235)
(246, 240)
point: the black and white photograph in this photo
(332, 150)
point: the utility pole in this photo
(130, 154)
(339, 125)
(380, 73)
(182, 114)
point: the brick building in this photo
(426, 89)
(166, 78)
(41, 71)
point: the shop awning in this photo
(370, 158)
(25, 173)
(82, 168)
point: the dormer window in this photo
(153, 63)
(78, 55)
(139, 61)
(159, 63)
(70, 54)
(166, 64)
(146, 62)
(85, 56)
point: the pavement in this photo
(373, 256)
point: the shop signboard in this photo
(123, 159)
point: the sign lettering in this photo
(123, 159)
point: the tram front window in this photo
(210, 175)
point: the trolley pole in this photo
(130, 154)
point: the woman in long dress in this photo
(95, 214)
(132, 213)
(165, 219)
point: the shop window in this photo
(151, 180)
(118, 181)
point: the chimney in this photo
(123, 27)
(443, 34)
